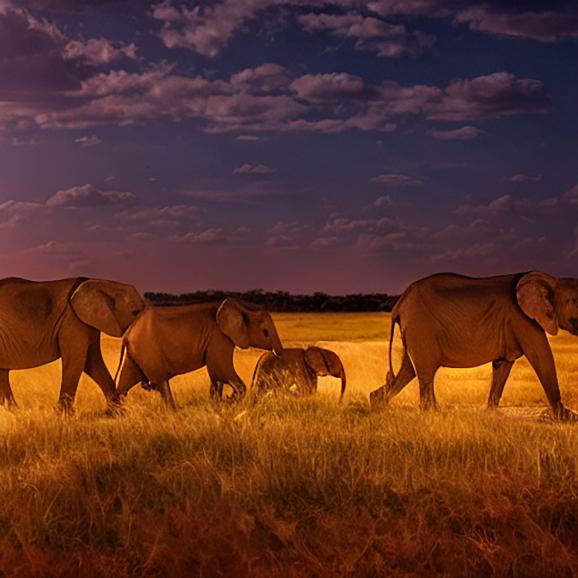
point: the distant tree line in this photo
(282, 301)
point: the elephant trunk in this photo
(277, 345)
(343, 382)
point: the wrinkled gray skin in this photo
(456, 321)
(172, 340)
(42, 322)
(299, 367)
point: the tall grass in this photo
(291, 487)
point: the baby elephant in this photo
(297, 367)
(172, 340)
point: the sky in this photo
(305, 145)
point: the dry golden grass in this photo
(293, 487)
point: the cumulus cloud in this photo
(395, 179)
(463, 133)
(375, 25)
(266, 77)
(369, 33)
(491, 96)
(475, 251)
(98, 51)
(88, 196)
(523, 178)
(167, 215)
(88, 140)
(213, 236)
(248, 169)
(333, 86)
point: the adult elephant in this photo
(456, 321)
(297, 367)
(166, 341)
(41, 322)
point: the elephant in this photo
(41, 322)
(171, 340)
(299, 367)
(452, 320)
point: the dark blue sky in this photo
(307, 145)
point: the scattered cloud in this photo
(166, 215)
(248, 169)
(492, 96)
(88, 141)
(463, 133)
(88, 196)
(369, 33)
(522, 178)
(395, 179)
(98, 51)
(213, 236)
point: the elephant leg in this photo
(542, 361)
(130, 375)
(216, 390)
(167, 395)
(500, 371)
(427, 399)
(393, 384)
(97, 370)
(6, 395)
(72, 367)
(405, 374)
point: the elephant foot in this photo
(115, 408)
(377, 398)
(564, 414)
(148, 386)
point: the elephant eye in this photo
(135, 312)
(266, 332)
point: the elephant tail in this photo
(343, 384)
(122, 353)
(256, 371)
(394, 321)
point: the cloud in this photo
(475, 251)
(532, 19)
(213, 236)
(546, 25)
(267, 77)
(248, 169)
(88, 141)
(500, 204)
(491, 96)
(98, 51)
(463, 133)
(207, 29)
(332, 86)
(395, 179)
(522, 178)
(56, 249)
(167, 215)
(88, 196)
(375, 243)
(248, 138)
(286, 234)
(376, 25)
(370, 33)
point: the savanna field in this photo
(293, 487)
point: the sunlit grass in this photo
(293, 487)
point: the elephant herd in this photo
(445, 320)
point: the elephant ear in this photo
(93, 304)
(535, 295)
(318, 360)
(232, 320)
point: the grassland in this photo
(293, 487)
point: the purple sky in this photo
(305, 146)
